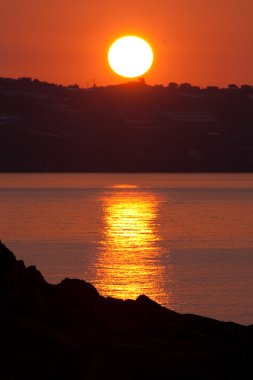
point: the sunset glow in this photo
(203, 43)
(130, 56)
(129, 230)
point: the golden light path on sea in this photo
(128, 263)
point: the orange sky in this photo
(204, 42)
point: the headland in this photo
(69, 331)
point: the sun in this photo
(130, 56)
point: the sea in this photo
(184, 240)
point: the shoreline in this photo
(68, 330)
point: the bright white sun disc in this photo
(130, 56)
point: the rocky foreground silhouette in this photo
(69, 331)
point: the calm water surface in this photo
(185, 240)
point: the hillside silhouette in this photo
(126, 128)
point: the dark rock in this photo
(77, 288)
(68, 331)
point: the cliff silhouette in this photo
(132, 127)
(69, 331)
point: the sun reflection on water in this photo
(128, 264)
